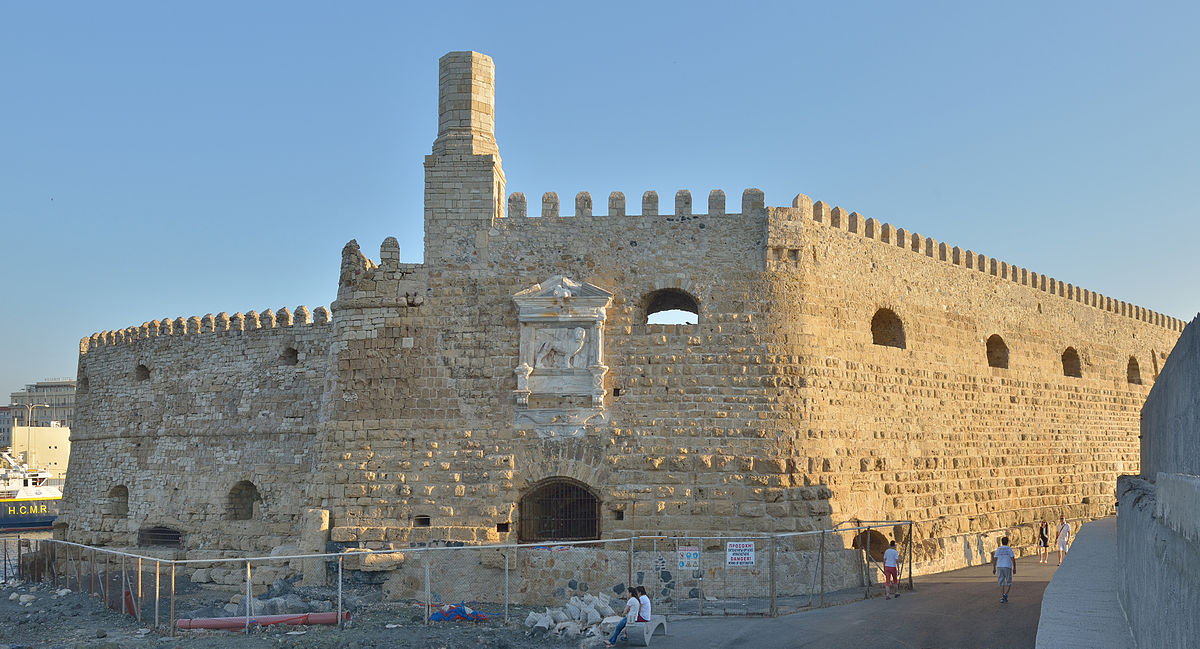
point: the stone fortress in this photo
(510, 387)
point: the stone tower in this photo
(464, 182)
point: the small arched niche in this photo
(118, 498)
(559, 509)
(1133, 372)
(873, 542)
(290, 356)
(887, 330)
(669, 306)
(242, 503)
(997, 352)
(141, 372)
(1070, 363)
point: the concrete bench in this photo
(639, 633)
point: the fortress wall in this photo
(686, 447)
(213, 407)
(1171, 417)
(931, 432)
(1158, 529)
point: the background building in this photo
(5, 426)
(58, 394)
(47, 448)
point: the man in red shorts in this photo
(891, 565)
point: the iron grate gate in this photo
(559, 510)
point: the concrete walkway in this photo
(1080, 608)
(953, 610)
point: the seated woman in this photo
(643, 614)
(630, 612)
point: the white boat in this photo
(27, 500)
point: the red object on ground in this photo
(129, 607)
(259, 620)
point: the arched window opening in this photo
(1070, 362)
(1133, 373)
(670, 306)
(160, 536)
(997, 352)
(118, 496)
(290, 356)
(887, 329)
(141, 372)
(243, 501)
(559, 509)
(873, 541)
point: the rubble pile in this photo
(587, 617)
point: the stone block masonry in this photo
(514, 386)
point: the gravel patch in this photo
(61, 619)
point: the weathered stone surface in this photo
(398, 420)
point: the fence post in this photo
(5, 560)
(821, 567)
(124, 585)
(629, 561)
(157, 568)
(172, 599)
(867, 565)
(339, 610)
(19, 558)
(247, 596)
(92, 576)
(700, 579)
(910, 555)
(506, 586)
(773, 610)
(139, 597)
(104, 585)
(428, 597)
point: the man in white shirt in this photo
(1064, 537)
(891, 565)
(1005, 562)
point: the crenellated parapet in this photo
(386, 283)
(209, 324)
(854, 223)
(752, 201)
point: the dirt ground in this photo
(77, 620)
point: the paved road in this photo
(954, 610)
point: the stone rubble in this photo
(589, 617)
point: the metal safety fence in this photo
(765, 575)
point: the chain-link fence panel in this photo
(549, 575)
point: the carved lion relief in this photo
(561, 355)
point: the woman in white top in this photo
(643, 605)
(630, 614)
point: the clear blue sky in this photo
(164, 159)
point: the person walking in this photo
(630, 613)
(1043, 542)
(1004, 566)
(891, 566)
(1064, 537)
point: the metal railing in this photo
(766, 575)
